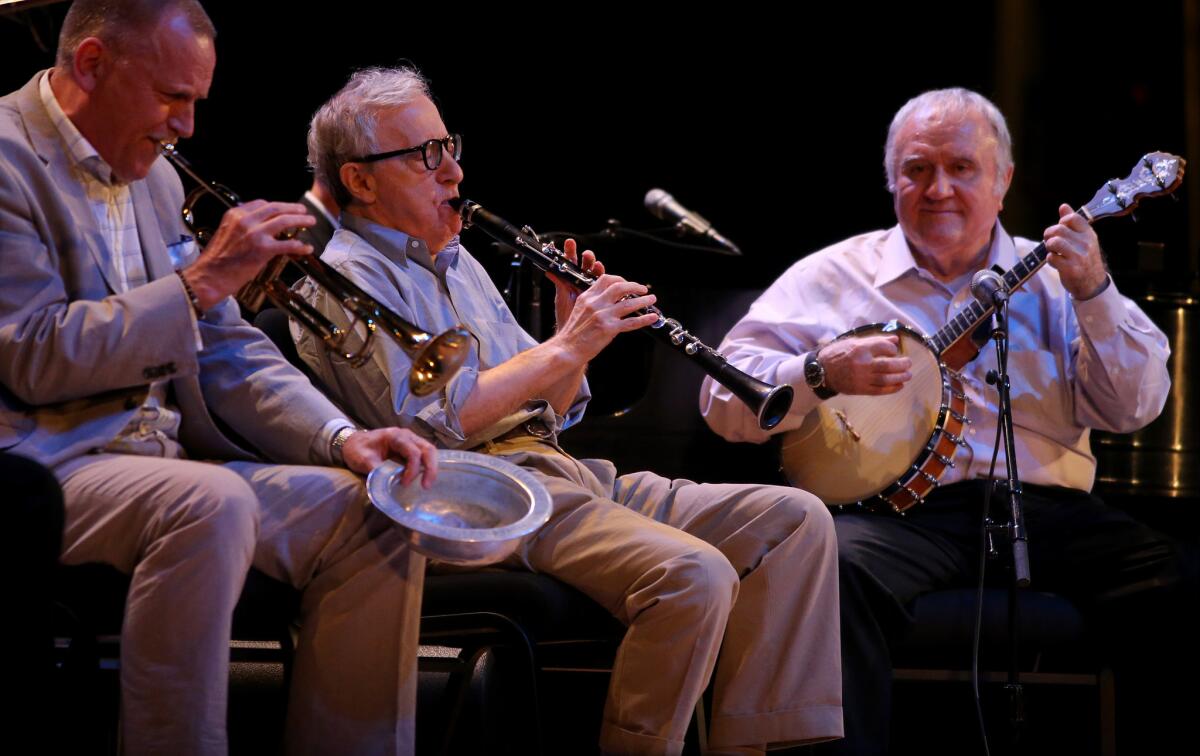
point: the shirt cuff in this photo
(321, 451)
(791, 371)
(1101, 315)
(191, 315)
(440, 415)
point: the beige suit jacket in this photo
(77, 358)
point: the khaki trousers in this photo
(691, 569)
(187, 532)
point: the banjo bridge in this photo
(846, 426)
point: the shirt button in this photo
(1088, 318)
(414, 243)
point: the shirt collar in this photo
(83, 155)
(399, 247)
(898, 260)
(317, 203)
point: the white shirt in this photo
(1074, 365)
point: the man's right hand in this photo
(600, 313)
(867, 365)
(245, 241)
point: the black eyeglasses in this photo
(431, 151)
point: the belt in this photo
(533, 428)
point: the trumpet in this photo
(435, 359)
(770, 404)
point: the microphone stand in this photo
(532, 319)
(1014, 528)
(615, 230)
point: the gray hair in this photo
(955, 101)
(344, 128)
(123, 24)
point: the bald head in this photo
(128, 96)
(123, 25)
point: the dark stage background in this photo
(771, 125)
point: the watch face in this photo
(814, 375)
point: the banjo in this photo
(896, 447)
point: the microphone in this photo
(664, 207)
(988, 288)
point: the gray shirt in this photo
(398, 271)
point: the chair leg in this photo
(701, 726)
(514, 639)
(1108, 712)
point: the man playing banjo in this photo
(1082, 356)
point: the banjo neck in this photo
(957, 342)
(1157, 173)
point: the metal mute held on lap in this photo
(770, 404)
(479, 511)
(435, 359)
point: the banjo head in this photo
(850, 448)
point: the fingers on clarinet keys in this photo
(477, 513)
(760, 397)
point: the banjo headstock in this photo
(1156, 174)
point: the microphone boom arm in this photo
(770, 404)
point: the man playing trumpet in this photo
(125, 368)
(689, 568)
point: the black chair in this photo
(532, 626)
(90, 601)
(1054, 646)
(33, 509)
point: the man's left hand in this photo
(1075, 254)
(366, 450)
(564, 293)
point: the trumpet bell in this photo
(438, 361)
(435, 359)
(477, 513)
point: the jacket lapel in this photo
(47, 143)
(151, 232)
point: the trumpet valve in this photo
(251, 296)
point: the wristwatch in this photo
(338, 443)
(814, 376)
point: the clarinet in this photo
(769, 403)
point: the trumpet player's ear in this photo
(90, 63)
(359, 181)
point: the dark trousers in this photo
(1093, 554)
